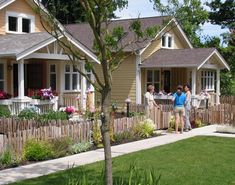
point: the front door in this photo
(33, 77)
(167, 81)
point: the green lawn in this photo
(199, 160)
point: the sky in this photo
(144, 8)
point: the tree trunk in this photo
(105, 118)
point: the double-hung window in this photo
(153, 78)
(52, 76)
(88, 84)
(167, 41)
(72, 78)
(19, 23)
(208, 80)
(2, 81)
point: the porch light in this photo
(128, 101)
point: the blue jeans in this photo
(187, 116)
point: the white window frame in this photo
(208, 80)
(4, 76)
(20, 17)
(78, 89)
(92, 79)
(153, 80)
(167, 35)
(49, 75)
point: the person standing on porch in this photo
(179, 99)
(187, 89)
(149, 100)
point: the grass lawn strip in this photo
(195, 161)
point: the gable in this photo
(19, 7)
(179, 40)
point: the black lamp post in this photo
(128, 101)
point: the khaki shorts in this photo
(179, 111)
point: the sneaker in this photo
(186, 130)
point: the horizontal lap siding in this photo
(2, 22)
(19, 6)
(152, 48)
(124, 83)
(155, 45)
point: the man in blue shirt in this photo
(179, 101)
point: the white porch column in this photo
(217, 86)
(194, 82)
(138, 78)
(83, 87)
(21, 79)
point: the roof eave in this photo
(3, 5)
(221, 59)
(40, 45)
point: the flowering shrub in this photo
(69, 109)
(4, 95)
(43, 94)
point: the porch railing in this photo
(16, 105)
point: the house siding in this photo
(124, 82)
(19, 6)
(156, 44)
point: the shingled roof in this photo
(178, 57)
(83, 33)
(13, 45)
(3, 1)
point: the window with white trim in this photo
(167, 41)
(72, 78)
(52, 77)
(153, 78)
(19, 23)
(208, 80)
(88, 84)
(2, 80)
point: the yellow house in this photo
(31, 59)
(165, 62)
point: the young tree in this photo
(108, 46)
(190, 14)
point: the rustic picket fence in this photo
(15, 133)
(227, 100)
(220, 114)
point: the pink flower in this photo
(92, 109)
(4, 95)
(69, 109)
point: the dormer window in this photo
(26, 25)
(12, 23)
(167, 41)
(19, 23)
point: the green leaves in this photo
(190, 14)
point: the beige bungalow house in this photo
(166, 61)
(32, 59)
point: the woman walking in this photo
(187, 89)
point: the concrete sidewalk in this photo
(47, 167)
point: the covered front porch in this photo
(43, 65)
(166, 69)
